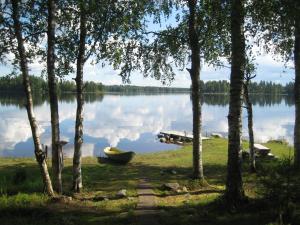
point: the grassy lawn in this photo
(21, 199)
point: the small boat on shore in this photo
(118, 155)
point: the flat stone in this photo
(122, 193)
(61, 199)
(100, 198)
(173, 172)
(187, 195)
(171, 186)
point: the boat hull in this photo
(118, 156)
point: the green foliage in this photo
(22, 200)
(20, 176)
(273, 25)
(265, 87)
(40, 87)
(281, 188)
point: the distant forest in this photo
(17, 99)
(39, 85)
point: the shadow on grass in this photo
(57, 216)
(254, 212)
(103, 177)
(99, 179)
(108, 179)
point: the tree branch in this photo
(161, 34)
(34, 34)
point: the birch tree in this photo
(14, 41)
(234, 185)
(57, 157)
(279, 25)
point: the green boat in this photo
(118, 155)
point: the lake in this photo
(131, 122)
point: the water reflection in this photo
(261, 100)
(17, 99)
(131, 122)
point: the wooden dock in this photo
(178, 135)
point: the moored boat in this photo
(118, 155)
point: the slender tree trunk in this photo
(234, 184)
(77, 177)
(57, 159)
(39, 154)
(297, 94)
(250, 127)
(195, 77)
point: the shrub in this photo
(20, 176)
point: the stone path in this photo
(146, 212)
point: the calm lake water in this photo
(131, 122)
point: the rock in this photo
(122, 193)
(270, 156)
(61, 199)
(187, 195)
(100, 198)
(160, 135)
(173, 172)
(171, 186)
(163, 140)
(184, 189)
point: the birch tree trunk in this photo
(39, 154)
(250, 127)
(77, 176)
(234, 185)
(57, 159)
(297, 93)
(195, 77)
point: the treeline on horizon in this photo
(17, 99)
(40, 86)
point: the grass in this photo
(21, 187)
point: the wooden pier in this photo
(179, 136)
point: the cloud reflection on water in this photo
(131, 122)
